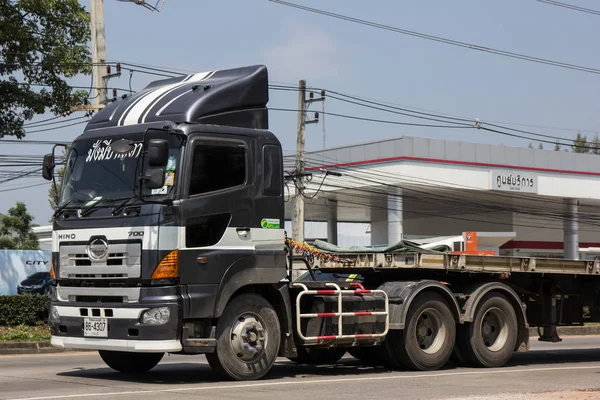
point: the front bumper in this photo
(138, 346)
(125, 331)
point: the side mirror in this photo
(48, 167)
(154, 178)
(158, 153)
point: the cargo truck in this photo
(168, 239)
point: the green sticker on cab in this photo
(270, 223)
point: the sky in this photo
(201, 35)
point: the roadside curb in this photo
(7, 348)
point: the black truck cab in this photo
(170, 205)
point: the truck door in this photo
(217, 215)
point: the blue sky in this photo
(200, 35)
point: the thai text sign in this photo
(514, 181)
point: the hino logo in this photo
(62, 236)
(97, 249)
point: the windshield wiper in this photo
(90, 207)
(123, 204)
(59, 209)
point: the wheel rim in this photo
(248, 337)
(430, 331)
(494, 329)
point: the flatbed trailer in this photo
(483, 293)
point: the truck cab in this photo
(168, 230)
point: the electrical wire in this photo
(378, 120)
(570, 6)
(24, 187)
(439, 39)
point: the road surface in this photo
(573, 365)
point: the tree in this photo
(580, 144)
(15, 230)
(557, 146)
(42, 42)
(530, 145)
(541, 146)
(595, 145)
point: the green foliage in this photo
(557, 146)
(42, 42)
(15, 230)
(24, 333)
(595, 145)
(24, 309)
(580, 144)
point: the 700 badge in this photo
(136, 233)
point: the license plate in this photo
(95, 327)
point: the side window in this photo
(216, 167)
(272, 171)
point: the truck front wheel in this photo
(427, 340)
(489, 340)
(248, 337)
(130, 363)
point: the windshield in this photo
(94, 172)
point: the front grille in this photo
(99, 299)
(122, 262)
(97, 276)
(83, 259)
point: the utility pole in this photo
(303, 103)
(98, 52)
(101, 72)
(298, 225)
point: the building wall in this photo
(349, 234)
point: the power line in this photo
(58, 127)
(35, 142)
(442, 40)
(379, 120)
(39, 124)
(24, 187)
(570, 6)
(72, 87)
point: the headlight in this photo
(156, 316)
(54, 314)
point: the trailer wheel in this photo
(489, 340)
(248, 337)
(427, 340)
(130, 363)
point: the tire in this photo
(312, 356)
(246, 358)
(489, 341)
(427, 341)
(130, 363)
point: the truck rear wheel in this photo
(130, 363)
(315, 356)
(248, 336)
(427, 340)
(490, 339)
